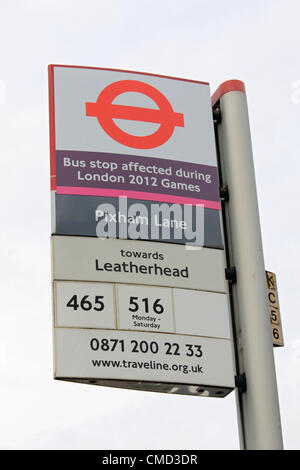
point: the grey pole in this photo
(258, 406)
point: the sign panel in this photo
(142, 137)
(137, 262)
(133, 164)
(138, 336)
(143, 356)
(119, 217)
(163, 116)
(141, 308)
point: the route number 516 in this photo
(135, 304)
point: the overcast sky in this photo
(213, 40)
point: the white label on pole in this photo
(84, 304)
(201, 313)
(145, 308)
(139, 356)
(138, 262)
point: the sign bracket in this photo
(224, 193)
(241, 382)
(217, 115)
(230, 275)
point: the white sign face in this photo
(143, 356)
(119, 112)
(137, 262)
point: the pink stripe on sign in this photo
(137, 195)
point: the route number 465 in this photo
(85, 304)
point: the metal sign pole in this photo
(258, 406)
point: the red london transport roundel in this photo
(105, 111)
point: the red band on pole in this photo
(226, 87)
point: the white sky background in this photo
(257, 42)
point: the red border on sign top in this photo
(51, 66)
(226, 87)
